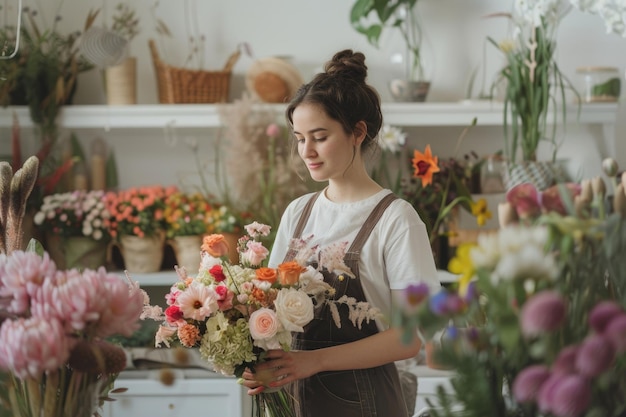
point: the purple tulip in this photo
(615, 332)
(602, 314)
(528, 382)
(571, 397)
(595, 356)
(565, 362)
(542, 313)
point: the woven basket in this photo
(180, 85)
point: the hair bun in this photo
(347, 64)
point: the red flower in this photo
(218, 273)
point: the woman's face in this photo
(323, 145)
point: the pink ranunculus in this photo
(528, 381)
(255, 253)
(525, 199)
(542, 313)
(595, 356)
(571, 397)
(33, 346)
(264, 324)
(565, 362)
(616, 333)
(602, 313)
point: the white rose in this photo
(294, 309)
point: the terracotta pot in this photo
(187, 251)
(142, 254)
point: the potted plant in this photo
(371, 17)
(74, 227)
(137, 223)
(534, 85)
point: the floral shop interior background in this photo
(166, 144)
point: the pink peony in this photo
(542, 313)
(565, 362)
(602, 313)
(616, 333)
(571, 397)
(595, 356)
(32, 346)
(21, 275)
(528, 382)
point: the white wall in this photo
(310, 32)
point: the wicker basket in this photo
(180, 85)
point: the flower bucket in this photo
(85, 253)
(542, 174)
(77, 252)
(142, 254)
(187, 251)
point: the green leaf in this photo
(35, 246)
(77, 148)
(112, 180)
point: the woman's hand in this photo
(280, 368)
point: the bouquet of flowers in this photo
(52, 325)
(137, 211)
(234, 312)
(76, 213)
(537, 325)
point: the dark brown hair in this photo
(341, 90)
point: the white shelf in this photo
(159, 116)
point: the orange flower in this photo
(266, 274)
(215, 245)
(425, 165)
(289, 272)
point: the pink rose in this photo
(255, 253)
(263, 324)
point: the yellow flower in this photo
(480, 211)
(462, 265)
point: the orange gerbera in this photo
(425, 165)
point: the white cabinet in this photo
(192, 393)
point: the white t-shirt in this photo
(396, 254)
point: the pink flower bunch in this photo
(564, 389)
(50, 311)
(526, 202)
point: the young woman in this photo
(348, 371)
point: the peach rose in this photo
(266, 275)
(215, 245)
(263, 324)
(289, 272)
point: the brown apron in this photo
(373, 392)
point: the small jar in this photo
(599, 84)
